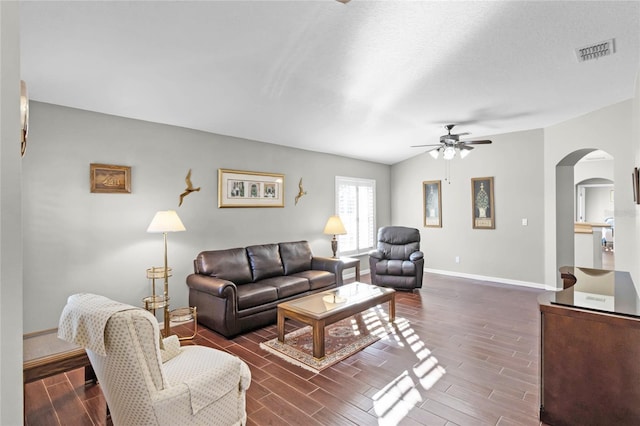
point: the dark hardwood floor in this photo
(463, 352)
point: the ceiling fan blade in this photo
(484, 142)
(420, 146)
(461, 134)
(466, 148)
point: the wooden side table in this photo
(351, 262)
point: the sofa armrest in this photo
(416, 255)
(329, 264)
(214, 286)
(376, 254)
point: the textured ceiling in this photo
(363, 79)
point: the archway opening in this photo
(586, 172)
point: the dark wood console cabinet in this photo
(590, 350)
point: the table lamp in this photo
(334, 227)
(166, 221)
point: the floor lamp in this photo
(166, 221)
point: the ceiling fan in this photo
(450, 144)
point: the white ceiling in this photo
(363, 79)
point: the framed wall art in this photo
(238, 188)
(432, 204)
(482, 202)
(106, 178)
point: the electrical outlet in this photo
(457, 259)
(525, 221)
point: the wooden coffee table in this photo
(322, 309)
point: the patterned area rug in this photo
(342, 339)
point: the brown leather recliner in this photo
(398, 261)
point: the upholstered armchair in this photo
(145, 384)
(398, 261)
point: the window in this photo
(356, 206)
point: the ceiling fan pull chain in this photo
(447, 171)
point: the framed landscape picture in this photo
(432, 204)
(482, 202)
(239, 188)
(106, 178)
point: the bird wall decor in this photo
(301, 191)
(189, 188)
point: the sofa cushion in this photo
(231, 265)
(265, 261)
(317, 279)
(296, 256)
(255, 294)
(286, 285)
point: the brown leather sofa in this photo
(237, 290)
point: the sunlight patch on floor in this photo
(355, 328)
(394, 402)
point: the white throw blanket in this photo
(84, 319)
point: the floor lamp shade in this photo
(166, 221)
(334, 227)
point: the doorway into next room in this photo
(595, 205)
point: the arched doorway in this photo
(568, 173)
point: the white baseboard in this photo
(492, 279)
(474, 277)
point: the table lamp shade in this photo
(334, 226)
(166, 221)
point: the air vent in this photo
(596, 51)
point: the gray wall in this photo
(609, 129)
(585, 170)
(10, 219)
(526, 170)
(77, 241)
(599, 204)
(511, 252)
(598, 201)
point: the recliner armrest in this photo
(214, 286)
(376, 254)
(416, 255)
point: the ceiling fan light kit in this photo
(449, 153)
(450, 145)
